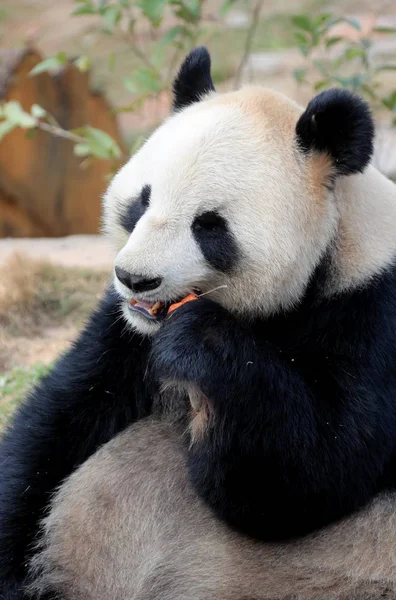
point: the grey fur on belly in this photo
(115, 533)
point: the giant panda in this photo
(258, 452)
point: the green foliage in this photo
(50, 64)
(340, 61)
(12, 116)
(143, 80)
(97, 143)
(118, 18)
(89, 141)
(14, 385)
(83, 63)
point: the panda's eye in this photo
(145, 195)
(209, 221)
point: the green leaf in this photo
(352, 53)
(354, 82)
(61, 57)
(189, 11)
(49, 64)
(15, 114)
(82, 150)
(5, 128)
(158, 54)
(301, 38)
(38, 112)
(336, 63)
(97, 142)
(304, 45)
(332, 41)
(299, 75)
(194, 6)
(171, 35)
(153, 10)
(390, 101)
(87, 9)
(303, 22)
(322, 19)
(353, 23)
(369, 91)
(84, 10)
(112, 16)
(83, 63)
(319, 85)
(321, 67)
(143, 80)
(225, 7)
(381, 29)
(385, 68)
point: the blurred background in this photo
(84, 82)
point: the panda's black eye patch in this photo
(210, 221)
(145, 195)
(216, 241)
(136, 209)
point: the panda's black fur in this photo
(193, 80)
(94, 391)
(302, 404)
(340, 124)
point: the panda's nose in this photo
(137, 283)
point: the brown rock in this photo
(44, 191)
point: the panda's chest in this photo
(172, 402)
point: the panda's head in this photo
(233, 191)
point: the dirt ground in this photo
(47, 288)
(90, 251)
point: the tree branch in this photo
(249, 40)
(63, 133)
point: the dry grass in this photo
(37, 294)
(42, 307)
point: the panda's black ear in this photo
(193, 79)
(338, 123)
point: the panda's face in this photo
(233, 197)
(219, 198)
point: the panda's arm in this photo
(92, 393)
(273, 453)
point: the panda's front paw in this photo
(192, 343)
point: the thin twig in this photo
(249, 40)
(68, 135)
(63, 133)
(172, 65)
(128, 37)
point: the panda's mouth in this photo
(155, 311)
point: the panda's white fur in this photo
(236, 153)
(114, 533)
